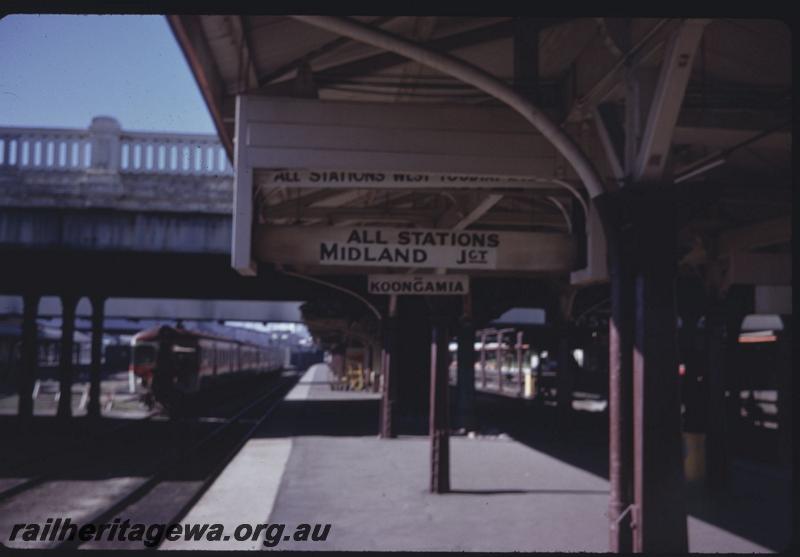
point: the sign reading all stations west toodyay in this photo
(349, 179)
(414, 248)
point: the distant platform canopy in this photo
(522, 316)
(157, 308)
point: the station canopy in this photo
(728, 155)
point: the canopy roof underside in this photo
(737, 105)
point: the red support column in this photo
(620, 371)
(499, 356)
(565, 377)
(565, 380)
(389, 379)
(440, 410)
(410, 364)
(483, 361)
(520, 381)
(660, 518)
(466, 369)
(716, 406)
(785, 391)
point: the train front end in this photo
(144, 352)
(165, 360)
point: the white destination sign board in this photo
(420, 285)
(393, 180)
(414, 248)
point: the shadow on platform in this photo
(345, 418)
(755, 505)
(81, 450)
(527, 491)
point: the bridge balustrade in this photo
(172, 154)
(104, 147)
(45, 149)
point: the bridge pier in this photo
(68, 304)
(98, 305)
(28, 367)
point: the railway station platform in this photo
(320, 461)
(316, 384)
(116, 398)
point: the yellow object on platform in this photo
(530, 385)
(355, 376)
(694, 456)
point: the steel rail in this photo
(219, 467)
(32, 482)
(170, 463)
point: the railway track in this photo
(108, 439)
(79, 444)
(179, 480)
(93, 437)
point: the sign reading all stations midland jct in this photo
(414, 248)
(424, 285)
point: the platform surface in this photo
(316, 385)
(506, 496)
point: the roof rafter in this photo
(378, 62)
(313, 55)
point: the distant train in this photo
(174, 364)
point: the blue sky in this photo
(61, 70)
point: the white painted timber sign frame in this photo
(345, 179)
(441, 141)
(419, 285)
(371, 247)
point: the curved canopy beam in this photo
(472, 75)
(363, 300)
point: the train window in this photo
(144, 355)
(184, 356)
